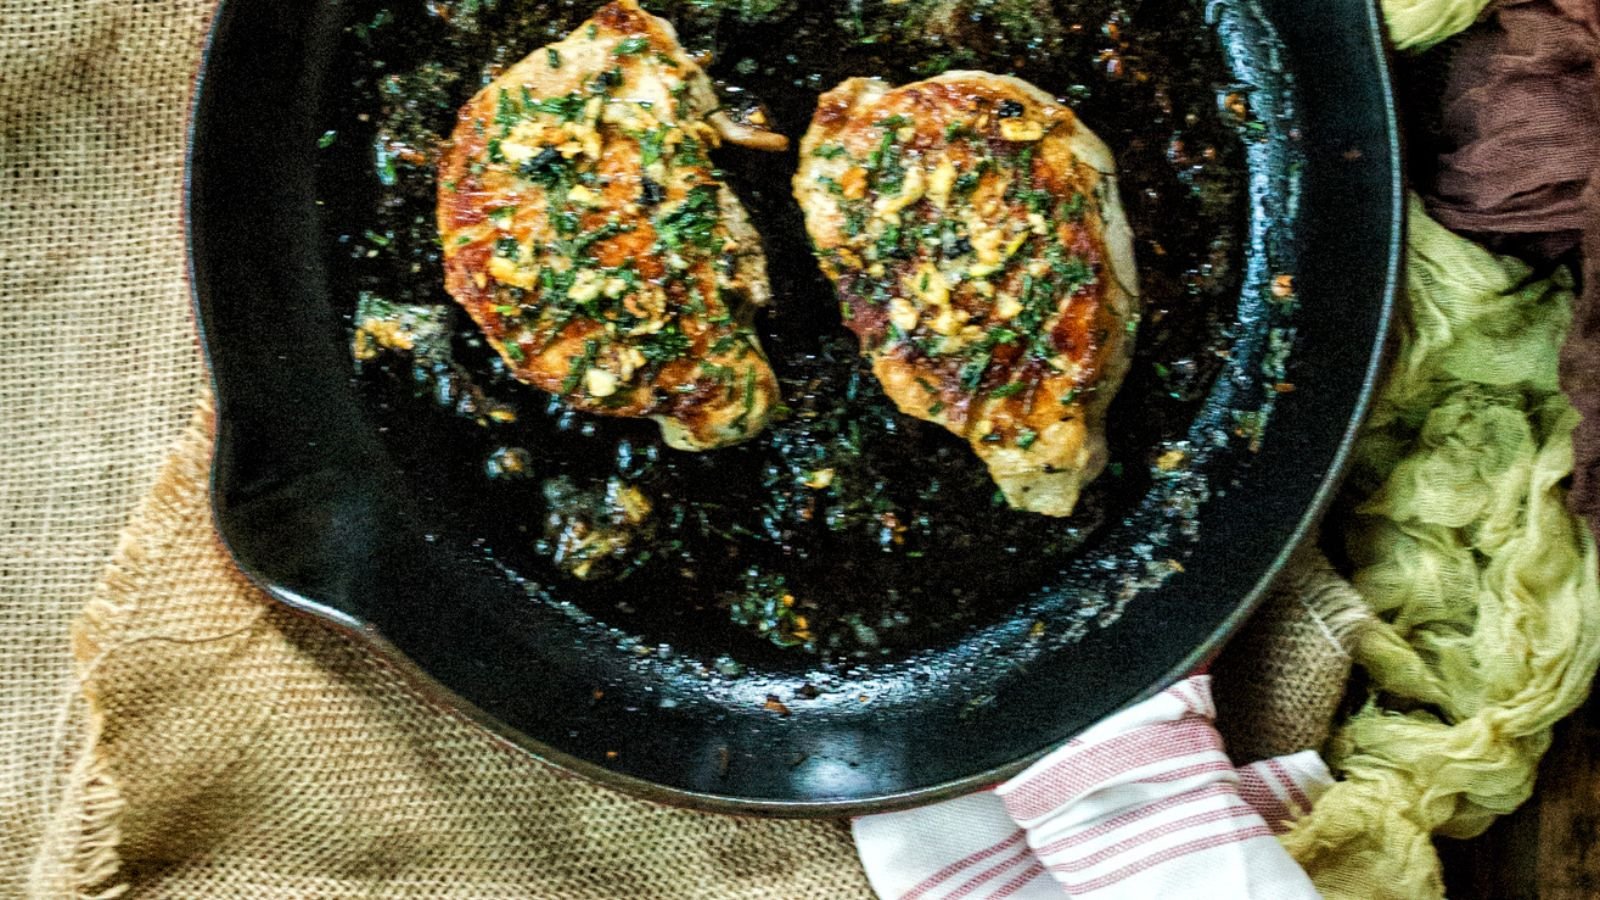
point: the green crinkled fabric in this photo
(1420, 24)
(1484, 586)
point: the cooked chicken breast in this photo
(972, 227)
(585, 233)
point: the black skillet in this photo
(316, 509)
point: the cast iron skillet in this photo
(315, 510)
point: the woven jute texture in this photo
(97, 363)
(1279, 682)
(188, 739)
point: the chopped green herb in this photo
(568, 109)
(631, 46)
(627, 274)
(1071, 269)
(652, 146)
(578, 365)
(506, 111)
(1010, 389)
(514, 351)
(327, 139)
(855, 220)
(889, 243)
(1043, 347)
(885, 163)
(936, 408)
(506, 310)
(719, 374)
(689, 154)
(666, 345)
(364, 30)
(548, 169)
(605, 81)
(935, 65)
(389, 167)
(377, 239)
(973, 371)
(604, 232)
(1025, 165)
(829, 151)
(1249, 424)
(503, 215)
(749, 398)
(692, 222)
(554, 57)
(1026, 438)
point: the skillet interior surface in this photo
(326, 512)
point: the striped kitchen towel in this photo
(1145, 804)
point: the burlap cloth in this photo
(180, 736)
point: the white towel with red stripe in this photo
(1145, 804)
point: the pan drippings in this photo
(846, 528)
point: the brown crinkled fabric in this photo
(1521, 122)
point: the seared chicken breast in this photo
(972, 227)
(586, 234)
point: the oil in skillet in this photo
(847, 528)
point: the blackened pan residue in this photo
(847, 527)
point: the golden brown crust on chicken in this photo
(973, 229)
(585, 233)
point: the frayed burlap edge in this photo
(1331, 604)
(80, 855)
(1279, 682)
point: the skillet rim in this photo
(447, 700)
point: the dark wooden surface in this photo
(1550, 848)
